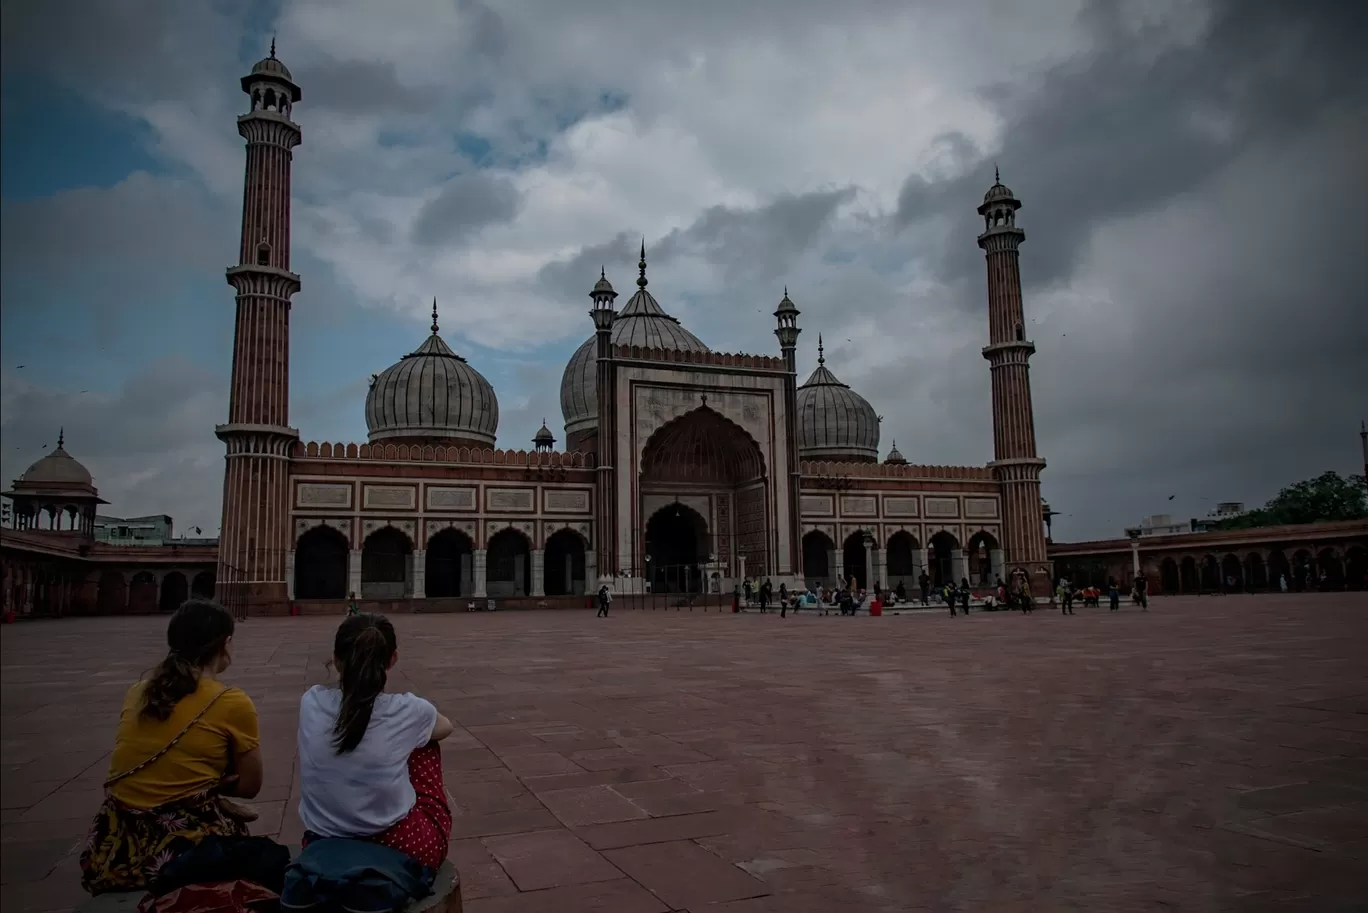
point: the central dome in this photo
(432, 397)
(641, 322)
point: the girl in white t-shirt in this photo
(369, 764)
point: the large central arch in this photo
(710, 458)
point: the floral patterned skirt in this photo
(127, 846)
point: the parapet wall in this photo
(437, 454)
(710, 359)
(818, 469)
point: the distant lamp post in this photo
(1133, 533)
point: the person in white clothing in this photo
(369, 763)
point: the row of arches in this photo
(1304, 570)
(322, 567)
(822, 563)
(117, 595)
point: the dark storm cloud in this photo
(755, 243)
(363, 87)
(466, 204)
(1144, 118)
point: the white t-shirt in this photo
(366, 790)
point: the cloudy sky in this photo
(1192, 173)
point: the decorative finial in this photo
(61, 437)
(821, 351)
(434, 315)
(273, 45)
(603, 272)
(641, 279)
(705, 399)
(786, 291)
(997, 177)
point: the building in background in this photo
(53, 562)
(153, 530)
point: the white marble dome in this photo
(641, 322)
(432, 394)
(835, 422)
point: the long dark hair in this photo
(363, 648)
(196, 635)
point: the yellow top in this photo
(198, 761)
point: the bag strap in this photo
(171, 744)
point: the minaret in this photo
(254, 537)
(786, 317)
(1008, 353)
(605, 493)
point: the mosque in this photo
(684, 469)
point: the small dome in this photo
(272, 67)
(895, 456)
(603, 286)
(835, 422)
(432, 393)
(641, 322)
(998, 191)
(58, 469)
(544, 435)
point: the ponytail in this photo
(196, 635)
(363, 649)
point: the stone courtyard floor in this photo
(1209, 755)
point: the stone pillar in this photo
(1135, 558)
(959, 562)
(590, 572)
(871, 562)
(834, 561)
(538, 572)
(289, 574)
(479, 591)
(569, 573)
(419, 574)
(998, 558)
(354, 573)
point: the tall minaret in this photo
(605, 480)
(1009, 352)
(254, 537)
(786, 317)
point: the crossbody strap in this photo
(169, 745)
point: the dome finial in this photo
(641, 265)
(821, 351)
(434, 315)
(603, 272)
(61, 437)
(997, 176)
(273, 45)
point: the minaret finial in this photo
(61, 437)
(273, 45)
(997, 176)
(603, 272)
(434, 315)
(785, 291)
(641, 265)
(821, 351)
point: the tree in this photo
(1329, 496)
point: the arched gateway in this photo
(705, 504)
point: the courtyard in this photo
(1211, 754)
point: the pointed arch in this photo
(449, 564)
(702, 446)
(387, 564)
(563, 563)
(508, 558)
(322, 556)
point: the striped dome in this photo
(432, 394)
(835, 422)
(641, 322)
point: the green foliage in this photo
(1329, 496)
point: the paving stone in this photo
(1209, 754)
(549, 859)
(684, 875)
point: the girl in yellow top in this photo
(185, 741)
